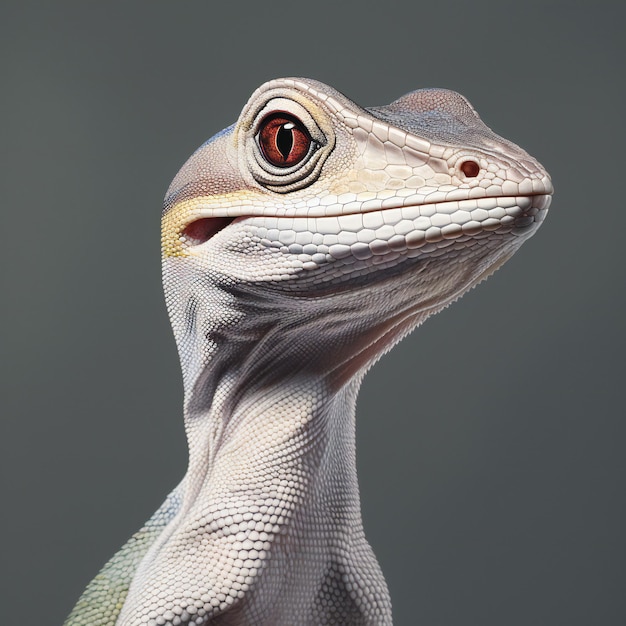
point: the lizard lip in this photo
(202, 229)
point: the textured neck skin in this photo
(284, 283)
(297, 532)
(271, 496)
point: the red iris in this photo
(284, 140)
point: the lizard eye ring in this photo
(284, 146)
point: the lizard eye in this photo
(283, 139)
(282, 143)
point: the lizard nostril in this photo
(470, 169)
(202, 230)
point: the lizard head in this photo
(351, 225)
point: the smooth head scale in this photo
(299, 245)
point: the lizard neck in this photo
(272, 482)
(269, 526)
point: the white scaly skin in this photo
(284, 285)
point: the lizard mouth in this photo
(202, 229)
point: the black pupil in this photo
(284, 139)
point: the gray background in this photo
(490, 442)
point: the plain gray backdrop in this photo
(490, 443)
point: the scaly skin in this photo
(284, 283)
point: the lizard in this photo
(298, 246)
